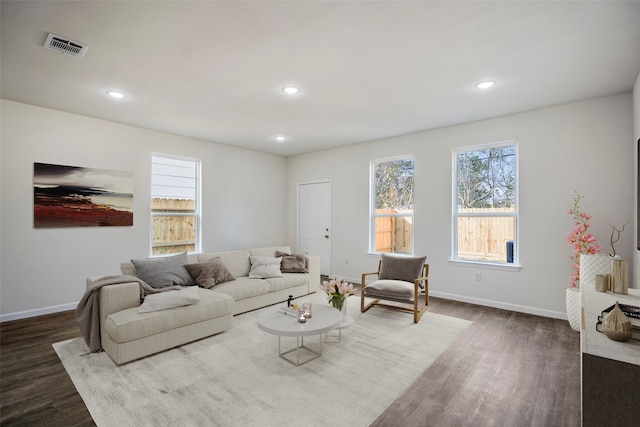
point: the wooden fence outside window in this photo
(173, 233)
(485, 238)
(479, 238)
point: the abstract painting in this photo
(72, 196)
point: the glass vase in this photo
(337, 301)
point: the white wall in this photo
(44, 270)
(580, 147)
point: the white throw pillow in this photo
(170, 299)
(263, 267)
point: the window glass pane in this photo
(486, 214)
(394, 234)
(174, 206)
(173, 234)
(392, 216)
(486, 178)
(394, 184)
(486, 238)
(173, 178)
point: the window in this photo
(391, 219)
(485, 212)
(175, 205)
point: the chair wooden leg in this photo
(364, 307)
(426, 294)
(417, 314)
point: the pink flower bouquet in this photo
(337, 290)
(580, 240)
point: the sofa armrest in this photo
(115, 298)
(91, 280)
(313, 266)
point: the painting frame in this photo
(76, 196)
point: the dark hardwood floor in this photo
(508, 369)
(35, 388)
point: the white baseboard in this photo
(499, 304)
(37, 312)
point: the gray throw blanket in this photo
(88, 311)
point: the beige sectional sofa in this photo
(127, 335)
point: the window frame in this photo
(515, 265)
(196, 213)
(372, 205)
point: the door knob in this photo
(326, 236)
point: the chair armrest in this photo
(424, 279)
(420, 281)
(367, 274)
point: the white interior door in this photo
(314, 224)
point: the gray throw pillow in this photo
(163, 272)
(293, 263)
(209, 273)
(407, 268)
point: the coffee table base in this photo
(299, 346)
(337, 338)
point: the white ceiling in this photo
(367, 70)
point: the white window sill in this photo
(486, 265)
(379, 254)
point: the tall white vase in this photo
(573, 308)
(590, 265)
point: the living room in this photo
(250, 198)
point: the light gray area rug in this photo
(237, 379)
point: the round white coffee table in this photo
(325, 318)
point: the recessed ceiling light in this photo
(280, 138)
(485, 85)
(290, 90)
(115, 94)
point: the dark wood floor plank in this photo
(507, 369)
(35, 388)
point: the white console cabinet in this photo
(610, 369)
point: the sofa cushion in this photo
(237, 262)
(207, 274)
(244, 287)
(128, 269)
(288, 280)
(169, 299)
(398, 290)
(407, 268)
(164, 271)
(292, 263)
(263, 267)
(270, 251)
(128, 325)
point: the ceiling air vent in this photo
(62, 45)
